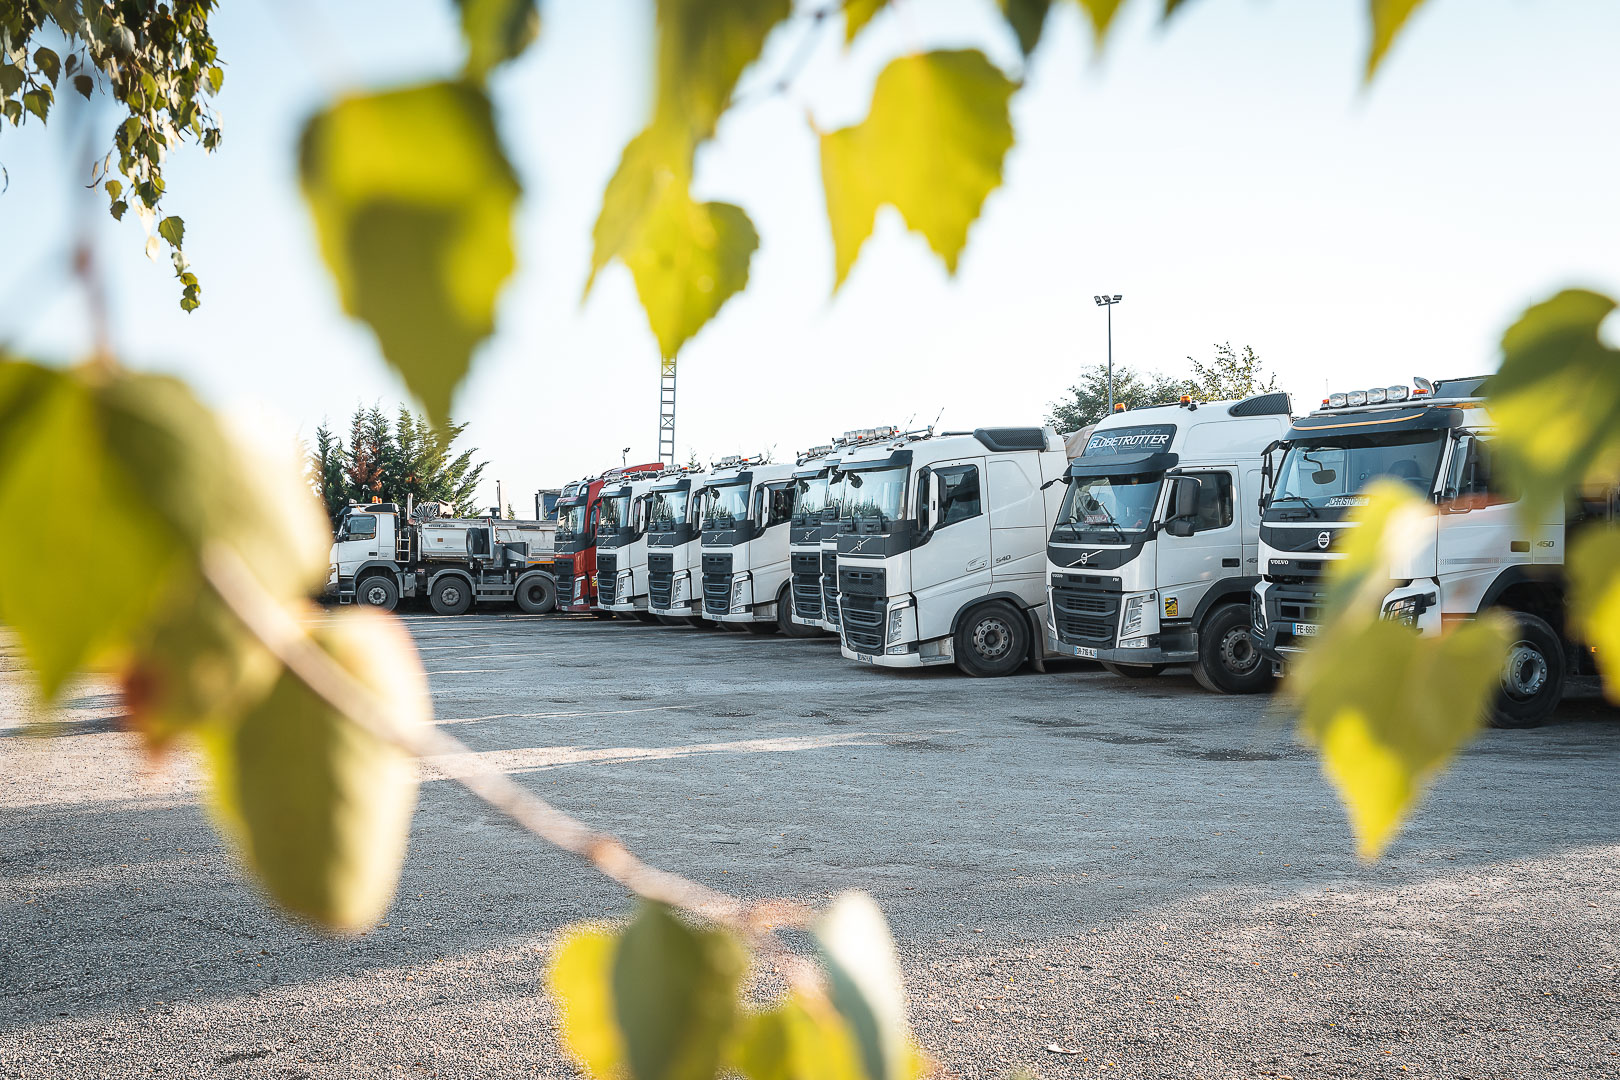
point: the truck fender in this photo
(1516, 575)
(451, 572)
(1037, 632)
(526, 575)
(1226, 591)
(369, 569)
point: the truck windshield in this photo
(875, 494)
(1332, 472)
(1108, 503)
(725, 504)
(837, 495)
(810, 499)
(667, 510)
(614, 513)
(570, 521)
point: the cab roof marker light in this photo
(1119, 406)
(1420, 385)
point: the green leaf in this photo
(38, 101)
(1383, 739)
(49, 64)
(674, 995)
(1594, 580)
(703, 48)
(84, 84)
(496, 31)
(688, 259)
(1556, 399)
(114, 188)
(1027, 19)
(932, 147)
(801, 1039)
(1388, 19)
(173, 230)
(11, 79)
(636, 187)
(863, 971)
(1172, 6)
(13, 111)
(117, 209)
(580, 979)
(320, 808)
(1101, 13)
(857, 13)
(412, 198)
(216, 79)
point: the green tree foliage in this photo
(410, 461)
(157, 61)
(1087, 400)
(1230, 375)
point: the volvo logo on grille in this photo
(1323, 540)
(1085, 557)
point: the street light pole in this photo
(1109, 302)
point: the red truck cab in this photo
(577, 512)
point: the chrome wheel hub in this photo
(992, 638)
(1525, 672)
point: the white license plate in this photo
(865, 658)
(1305, 629)
(1085, 653)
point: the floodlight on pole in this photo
(1108, 302)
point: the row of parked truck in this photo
(1191, 533)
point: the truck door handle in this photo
(1229, 562)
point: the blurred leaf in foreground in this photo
(580, 982)
(803, 1038)
(1388, 19)
(675, 995)
(1594, 581)
(1386, 707)
(496, 31)
(932, 147)
(412, 198)
(863, 971)
(320, 807)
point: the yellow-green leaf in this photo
(319, 807)
(674, 995)
(932, 147)
(581, 982)
(689, 259)
(863, 972)
(1556, 399)
(1101, 13)
(1027, 19)
(1387, 709)
(412, 198)
(173, 230)
(801, 1039)
(857, 13)
(703, 48)
(1594, 579)
(1388, 18)
(651, 162)
(496, 31)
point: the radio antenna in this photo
(941, 413)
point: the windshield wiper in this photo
(1302, 500)
(1111, 523)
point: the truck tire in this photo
(451, 596)
(992, 640)
(1228, 662)
(378, 591)
(537, 595)
(1133, 671)
(784, 616)
(1532, 675)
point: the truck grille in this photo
(660, 578)
(717, 584)
(1085, 609)
(829, 586)
(607, 567)
(807, 586)
(863, 621)
(1292, 604)
(564, 571)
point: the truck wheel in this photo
(1133, 671)
(537, 595)
(1532, 675)
(992, 641)
(1228, 662)
(378, 591)
(784, 616)
(451, 596)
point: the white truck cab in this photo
(674, 565)
(1477, 552)
(1156, 546)
(812, 489)
(942, 547)
(621, 544)
(744, 510)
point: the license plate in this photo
(1305, 629)
(865, 658)
(1085, 653)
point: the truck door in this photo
(1188, 565)
(357, 544)
(952, 565)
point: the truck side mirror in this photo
(1186, 497)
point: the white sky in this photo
(1228, 175)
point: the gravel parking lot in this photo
(1151, 877)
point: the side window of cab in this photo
(362, 527)
(1214, 500)
(959, 494)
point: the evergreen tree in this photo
(326, 466)
(362, 471)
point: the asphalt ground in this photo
(1155, 881)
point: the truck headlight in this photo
(1132, 622)
(682, 582)
(897, 624)
(739, 591)
(1407, 609)
(1257, 612)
